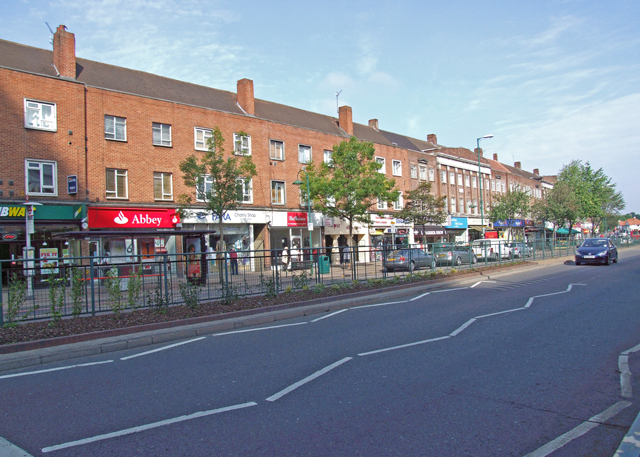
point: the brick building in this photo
(98, 145)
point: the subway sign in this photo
(12, 211)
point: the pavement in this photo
(33, 353)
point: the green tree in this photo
(218, 180)
(422, 207)
(514, 204)
(594, 190)
(350, 186)
(560, 206)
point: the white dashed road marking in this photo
(17, 375)
(11, 450)
(163, 348)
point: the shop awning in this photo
(129, 233)
(430, 230)
(564, 231)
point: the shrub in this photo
(112, 283)
(56, 297)
(16, 298)
(77, 291)
(133, 288)
(190, 293)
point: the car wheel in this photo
(412, 266)
(474, 260)
(458, 261)
(607, 261)
(578, 262)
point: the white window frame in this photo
(398, 204)
(432, 174)
(40, 165)
(475, 210)
(452, 178)
(396, 167)
(422, 172)
(503, 185)
(40, 122)
(163, 131)
(113, 135)
(467, 181)
(200, 144)
(460, 182)
(454, 208)
(443, 176)
(382, 204)
(208, 188)
(493, 185)
(328, 157)
(461, 205)
(247, 191)
(304, 153)
(273, 147)
(114, 193)
(382, 161)
(474, 182)
(413, 171)
(160, 175)
(241, 144)
(469, 209)
(283, 186)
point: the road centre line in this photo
(462, 327)
(404, 346)
(330, 315)
(500, 312)
(480, 282)
(310, 378)
(164, 348)
(420, 296)
(381, 304)
(580, 430)
(54, 369)
(258, 329)
(449, 290)
(142, 428)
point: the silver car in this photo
(408, 259)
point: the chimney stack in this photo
(536, 171)
(345, 119)
(245, 96)
(64, 52)
(373, 123)
(518, 165)
(495, 156)
(432, 138)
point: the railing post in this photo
(93, 288)
(166, 281)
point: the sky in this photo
(552, 80)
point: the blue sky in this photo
(552, 80)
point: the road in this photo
(527, 364)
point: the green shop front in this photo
(48, 219)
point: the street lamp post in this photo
(297, 182)
(480, 182)
(28, 254)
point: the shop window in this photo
(117, 183)
(201, 138)
(41, 177)
(40, 115)
(277, 192)
(276, 150)
(162, 186)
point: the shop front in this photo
(336, 234)
(294, 230)
(426, 235)
(457, 229)
(513, 229)
(48, 220)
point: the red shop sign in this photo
(296, 219)
(150, 218)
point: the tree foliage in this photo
(561, 206)
(422, 207)
(512, 205)
(350, 186)
(596, 194)
(216, 179)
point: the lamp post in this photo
(480, 182)
(28, 254)
(297, 182)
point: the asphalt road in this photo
(505, 368)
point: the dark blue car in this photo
(598, 251)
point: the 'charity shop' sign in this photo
(151, 218)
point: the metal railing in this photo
(60, 287)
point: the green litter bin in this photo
(324, 266)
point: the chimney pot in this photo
(518, 165)
(245, 96)
(64, 52)
(536, 171)
(373, 123)
(345, 119)
(495, 156)
(432, 138)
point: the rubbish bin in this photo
(324, 267)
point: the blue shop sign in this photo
(458, 223)
(509, 223)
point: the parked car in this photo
(492, 248)
(597, 250)
(520, 249)
(408, 259)
(453, 254)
